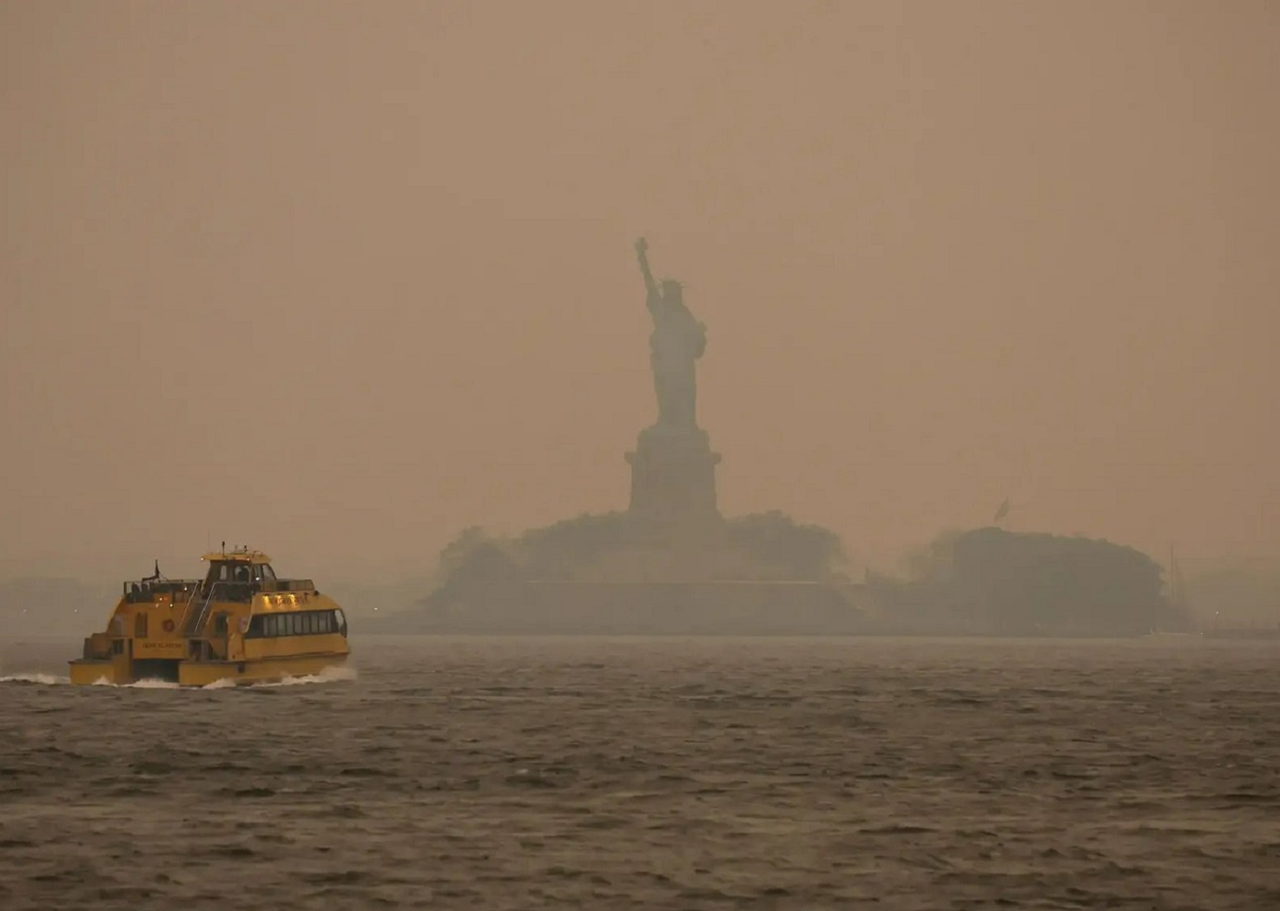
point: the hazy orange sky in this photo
(338, 279)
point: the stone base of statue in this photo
(673, 476)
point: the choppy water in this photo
(652, 773)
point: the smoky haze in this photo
(337, 280)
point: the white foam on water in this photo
(45, 679)
(224, 684)
(146, 684)
(151, 684)
(329, 675)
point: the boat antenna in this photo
(224, 548)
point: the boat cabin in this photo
(240, 574)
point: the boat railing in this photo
(138, 592)
(185, 623)
(193, 624)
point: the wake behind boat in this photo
(241, 623)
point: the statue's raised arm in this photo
(642, 254)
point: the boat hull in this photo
(90, 672)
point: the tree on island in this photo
(799, 551)
(993, 580)
(768, 545)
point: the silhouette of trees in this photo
(767, 545)
(1043, 584)
(774, 539)
(556, 551)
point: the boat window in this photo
(295, 623)
(267, 572)
(140, 625)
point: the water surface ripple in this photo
(656, 773)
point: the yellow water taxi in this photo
(241, 623)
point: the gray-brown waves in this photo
(649, 773)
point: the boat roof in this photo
(239, 555)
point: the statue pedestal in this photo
(673, 476)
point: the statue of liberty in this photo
(677, 341)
